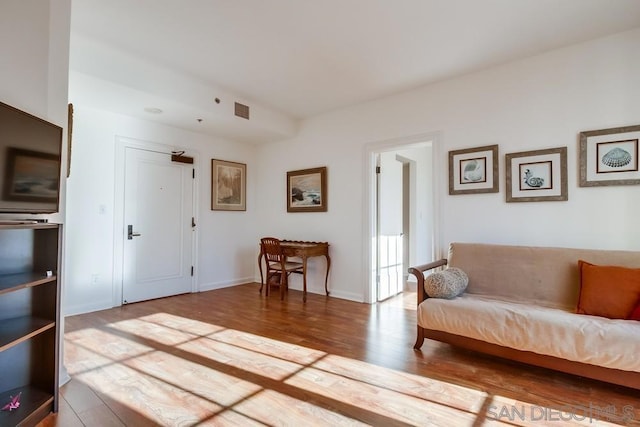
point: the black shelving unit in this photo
(29, 320)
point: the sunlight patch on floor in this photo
(158, 332)
(110, 344)
(383, 401)
(268, 346)
(178, 323)
(424, 388)
(406, 300)
(246, 360)
(274, 408)
(177, 371)
(181, 392)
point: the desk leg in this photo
(304, 279)
(326, 278)
(284, 283)
(261, 277)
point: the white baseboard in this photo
(86, 308)
(320, 291)
(346, 295)
(203, 287)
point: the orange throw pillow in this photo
(608, 291)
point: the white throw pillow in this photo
(447, 284)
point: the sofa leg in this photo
(419, 339)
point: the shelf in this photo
(15, 331)
(34, 403)
(15, 282)
(30, 313)
(12, 225)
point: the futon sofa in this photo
(558, 308)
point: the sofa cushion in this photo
(448, 283)
(535, 275)
(612, 343)
(608, 291)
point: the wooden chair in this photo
(277, 264)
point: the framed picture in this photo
(69, 137)
(609, 157)
(228, 186)
(537, 176)
(307, 190)
(31, 176)
(474, 170)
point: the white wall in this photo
(34, 75)
(34, 63)
(24, 44)
(540, 102)
(227, 248)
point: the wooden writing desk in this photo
(303, 250)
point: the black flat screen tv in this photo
(30, 154)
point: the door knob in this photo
(130, 233)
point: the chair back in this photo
(271, 249)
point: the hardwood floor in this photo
(234, 357)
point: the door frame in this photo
(370, 152)
(121, 145)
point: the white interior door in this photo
(158, 226)
(389, 240)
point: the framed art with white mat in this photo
(537, 176)
(473, 170)
(609, 157)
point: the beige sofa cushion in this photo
(554, 332)
(537, 275)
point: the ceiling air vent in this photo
(242, 110)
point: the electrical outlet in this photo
(94, 279)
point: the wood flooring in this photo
(235, 357)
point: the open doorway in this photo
(401, 213)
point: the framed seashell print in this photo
(474, 170)
(609, 157)
(537, 176)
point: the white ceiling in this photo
(293, 59)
